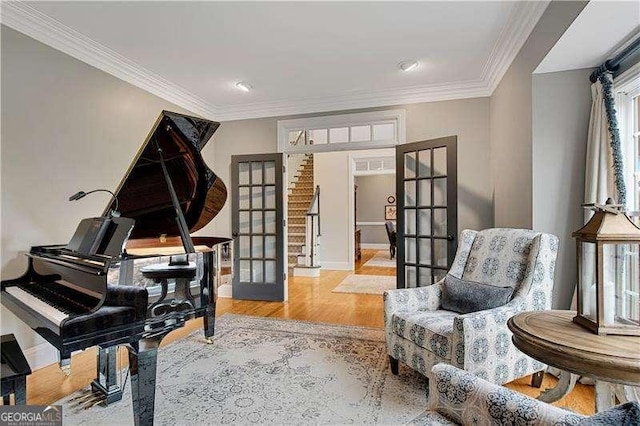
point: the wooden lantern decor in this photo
(608, 272)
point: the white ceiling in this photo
(601, 27)
(300, 57)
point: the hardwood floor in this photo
(310, 299)
(361, 269)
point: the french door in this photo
(426, 188)
(258, 227)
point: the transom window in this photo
(375, 165)
(367, 130)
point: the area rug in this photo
(381, 259)
(368, 284)
(271, 371)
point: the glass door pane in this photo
(427, 211)
(258, 227)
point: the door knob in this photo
(450, 237)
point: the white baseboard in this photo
(336, 266)
(375, 246)
(224, 290)
(40, 355)
(304, 271)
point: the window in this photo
(375, 166)
(339, 135)
(383, 131)
(630, 138)
(360, 133)
(636, 144)
(627, 93)
(378, 129)
(318, 136)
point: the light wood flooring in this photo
(310, 299)
(361, 269)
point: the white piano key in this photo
(43, 308)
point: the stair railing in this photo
(312, 230)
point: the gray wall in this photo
(66, 126)
(511, 117)
(561, 108)
(467, 118)
(373, 192)
(236, 138)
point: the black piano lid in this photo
(143, 194)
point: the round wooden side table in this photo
(554, 339)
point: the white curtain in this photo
(599, 176)
(599, 183)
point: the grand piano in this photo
(134, 274)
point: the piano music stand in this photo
(15, 370)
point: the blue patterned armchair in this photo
(420, 334)
(458, 397)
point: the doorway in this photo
(335, 145)
(374, 178)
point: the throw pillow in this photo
(469, 296)
(627, 414)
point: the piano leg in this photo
(142, 367)
(209, 324)
(20, 391)
(208, 298)
(64, 364)
(106, 382)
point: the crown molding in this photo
(35, 24)
(28, 20)
(522, 20)
(355, 100)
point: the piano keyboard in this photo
(54, 315)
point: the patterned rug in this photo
(381, 259)
(369, 284)
(271, 371)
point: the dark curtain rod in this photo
(614, 63)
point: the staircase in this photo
(301, 188)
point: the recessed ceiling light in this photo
(408, 65)
(245, 87)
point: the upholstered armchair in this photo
(421, 334)
(458, 397)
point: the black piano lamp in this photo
(82, 194)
